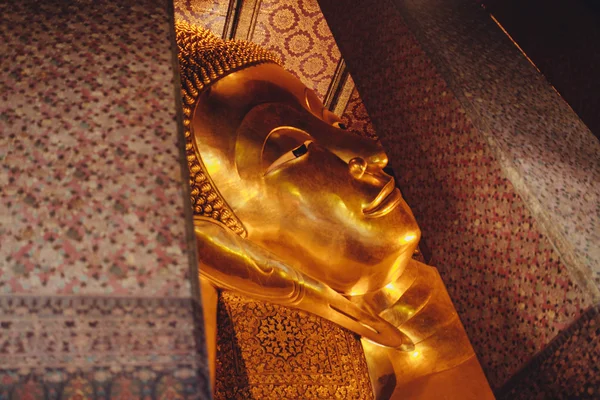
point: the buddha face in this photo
(306, 190)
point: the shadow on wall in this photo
(562, 38)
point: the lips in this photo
(386, 201)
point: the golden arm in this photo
(230, 262)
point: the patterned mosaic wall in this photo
(298, 33)
(543, 147)
(89, 222)
(357, 118)
(210, 14)
(95, 296)
(99, 348)
(569, 368)
(511, 289)
(563, 40)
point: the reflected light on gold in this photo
(409, 238)
(319, 227)
(213, 162)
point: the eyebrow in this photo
(288, 127)
(303, 138)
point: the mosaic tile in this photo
(357, 118)
(209, 14)
(543, 147)
(508, 283)
(99, 348)
(569, 57)
(569, 368)
(91, 197)
(95, 290)
(297, 32)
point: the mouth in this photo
(386, 201)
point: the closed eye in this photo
(289, 156)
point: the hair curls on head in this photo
(204, 59)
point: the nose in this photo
(380, 158)
(357, 167)
(371, 172)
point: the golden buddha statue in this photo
(292, 209)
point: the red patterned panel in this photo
(507, 282)
(298, 33)
(356, 117)
(209, 14)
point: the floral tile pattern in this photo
(569, 368)
(95, 290)
(101, 348)
(357, 118)
(543, 147)
(510, 286)
(296, 31)
(91, 184)
(209, 14)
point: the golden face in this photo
(311, 193)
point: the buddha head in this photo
(269, 162)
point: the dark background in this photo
(562, 38)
